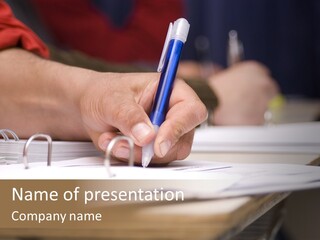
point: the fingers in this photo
(178, 151)
(119, 105)
(122, 105)
(105, 138)
(121, 150)
(131, 119)
(129, 114)
(186, 111)
(175, 136)
(244, 92)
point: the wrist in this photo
(66, 86)
(38, 95)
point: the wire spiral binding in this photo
(4, 134)
(107, 159)
(27, 144)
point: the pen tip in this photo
(146, 160)
(147, 154)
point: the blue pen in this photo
(168, 65)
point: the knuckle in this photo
(184, 147)
(199, 111)
(203, 112)
(121, 112)
(178, 130)
(183, 151)
(124, 112)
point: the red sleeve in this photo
(80, 25)
(13, 33)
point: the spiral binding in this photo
(27, 144)
(8, 135)
(107, 160)
(4, 133)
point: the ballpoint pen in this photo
(168, 65)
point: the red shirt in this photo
(13, 33)
(80, 25)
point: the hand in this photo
(114, 103)
(71, 103)
(244, 92)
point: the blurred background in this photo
(284, 35)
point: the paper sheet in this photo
(282, 138)
(199, 179)
(11, 151)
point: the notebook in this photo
(11, 149)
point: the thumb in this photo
(131, 119)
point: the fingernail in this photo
(122, 152)
(104, 145)
(140, 131)
(164, 147)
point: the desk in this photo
(211, 219)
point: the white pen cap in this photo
(180, 30)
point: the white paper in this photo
(200, 179)
(193, 181)
(282, 138)
(11, 151)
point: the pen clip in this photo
(165, 48)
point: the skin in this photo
(244, 90)
(70, 103)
